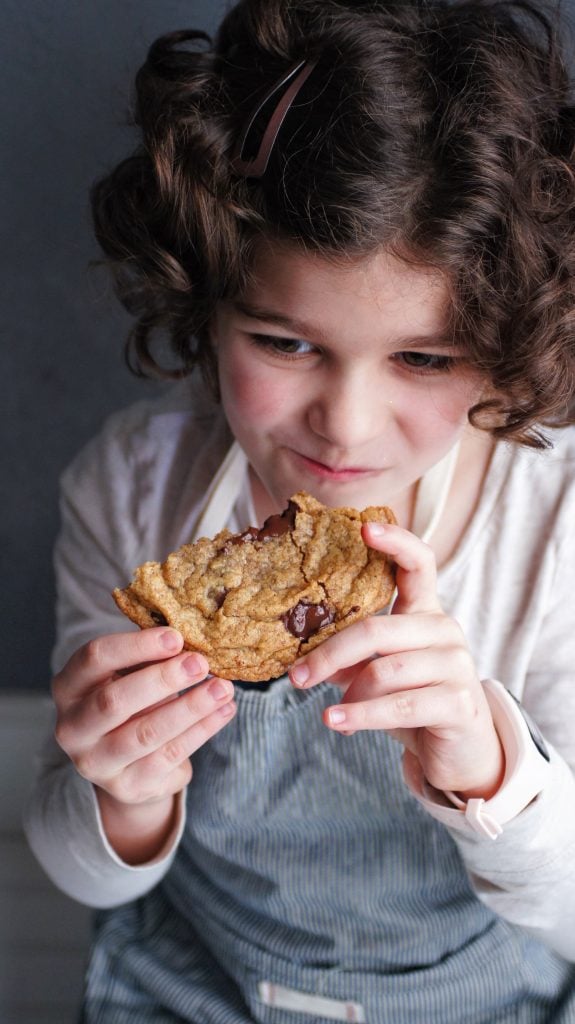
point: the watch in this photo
(527, 770)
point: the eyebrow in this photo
(437, 339)
(279, 319)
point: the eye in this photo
(426, 362)
(288, 348)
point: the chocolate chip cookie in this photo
(255, 601)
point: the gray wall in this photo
(66, 71)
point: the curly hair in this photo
(443, 132)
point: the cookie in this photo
(253, 602)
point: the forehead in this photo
(381, 287)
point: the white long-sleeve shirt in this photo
(135, 493)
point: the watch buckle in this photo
(480, 820)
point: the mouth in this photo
(335, 473)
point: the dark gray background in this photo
(66, 72)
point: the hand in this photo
(412, 674)
(131, 709)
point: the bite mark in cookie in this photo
(253, 602)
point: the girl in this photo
(356, 218)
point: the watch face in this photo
(533, 730)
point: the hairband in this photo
(256, 167)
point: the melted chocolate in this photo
(158, 618)
(274, 526)
(305, 619)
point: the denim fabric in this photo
(306, 863)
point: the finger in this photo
(379, 634)
(115, 701)
(148, 778)
(408, 670)
(101, 658)
(346, 676)
(159, 728)
(423, 707)
(416, 575)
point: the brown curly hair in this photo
(443, 132)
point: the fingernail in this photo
(193, 666)
(299, 675)
(218, 690)
(336, 716)
(170, 640)
(376, 529)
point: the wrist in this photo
(525, 776)
(491, 780)
(137, 832)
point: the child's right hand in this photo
(128, 728)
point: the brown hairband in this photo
(256, 167)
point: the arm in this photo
(529, 875)
(66, 833)
(97, 839)
(131, 710)
(412, 674)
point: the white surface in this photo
(44, 936)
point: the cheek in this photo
(250, 395)
(439, 412)
(454, 402)
(451, 411)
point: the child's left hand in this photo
(411, 673)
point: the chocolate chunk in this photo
(243, 538)
(305, 619)
(158, 618)
(274, 526)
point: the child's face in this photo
(341, 381)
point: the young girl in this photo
(356, 217)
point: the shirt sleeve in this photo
(95, 549)
(97, 542)
(527, 875)
(64, 830)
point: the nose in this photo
(351, 410)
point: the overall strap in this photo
(432, 492)
(222, 494)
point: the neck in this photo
(404, 507)
(264, 504)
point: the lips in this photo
(334, 472)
